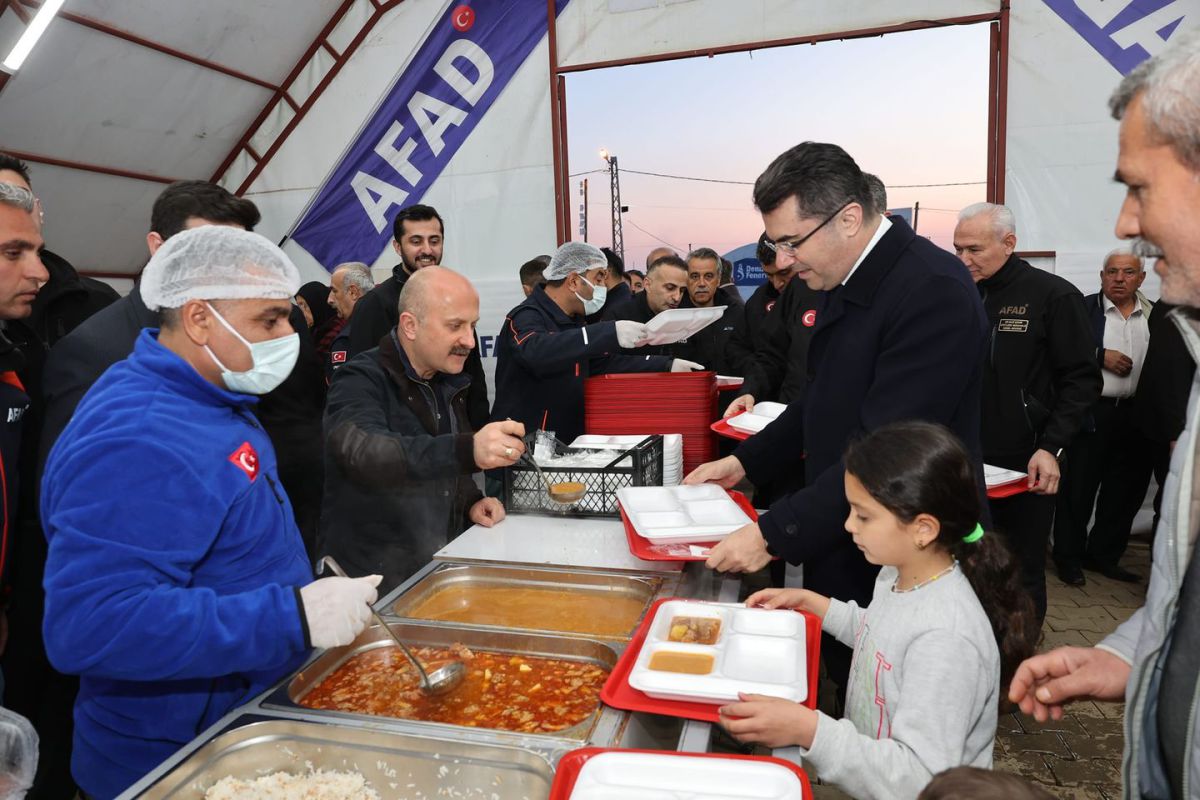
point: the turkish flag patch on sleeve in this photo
(338, 356)
(245, 459)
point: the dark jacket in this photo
(543, 358)
(637, 309)
(745, 339)
(729, 295)
(707, 346)
(339, 352)
(615, 297)
(1094, 303)
(82, 356)
(66, 300)
(902, 340)
(1160, 407)
(377, 312)
(779, 369)
(291, 415)
(396, 491)
(13, 404)
(1040, 376)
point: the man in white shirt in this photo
(1109, 458)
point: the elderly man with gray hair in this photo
(1040, 378)
(1109, 462)
(347, 284)
(1152, 661)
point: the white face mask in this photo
(273, 361)
(599, 295)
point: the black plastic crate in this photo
(525, 492)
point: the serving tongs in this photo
(441, 680)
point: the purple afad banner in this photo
(1125, 32)
(469, 56)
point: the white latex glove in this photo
(680, 365)
(630, 334)
(337, 609)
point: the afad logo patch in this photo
(245, 459)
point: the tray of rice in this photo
(298, 760)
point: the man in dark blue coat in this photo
(545, 352)
(900, 335)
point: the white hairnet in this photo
(18, 755)
(217, 262)
(573, 257)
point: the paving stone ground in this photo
(1079, 757)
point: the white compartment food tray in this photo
(754, 421)
(758, 651)
(682, 514)
(999, 476)
(649, 776)
(677, 324)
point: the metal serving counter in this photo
(276, 732)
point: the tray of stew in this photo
(515, 682)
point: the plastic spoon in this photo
(441, 680)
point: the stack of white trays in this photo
(672, 450)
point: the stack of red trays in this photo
(656, 402)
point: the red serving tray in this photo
(722, 428)
(1009, 489)
(619, 694)
(570, 765)
(646, 550)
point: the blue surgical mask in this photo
(599, 295)
(273, 361)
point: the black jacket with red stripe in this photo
(543, 358)
(13, 404)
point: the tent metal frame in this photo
(997, 87)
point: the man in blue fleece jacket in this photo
(176, 582)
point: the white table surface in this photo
(553, 541)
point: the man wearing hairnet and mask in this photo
(176, 582)
(545, 351)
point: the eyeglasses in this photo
(793, 243)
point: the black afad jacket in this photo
(1040, 374)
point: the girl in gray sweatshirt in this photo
(947, 623)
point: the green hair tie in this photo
(975, 535)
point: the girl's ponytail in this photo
(993, 573)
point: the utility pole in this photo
(614, 175)
(583, 209)
(916, 214)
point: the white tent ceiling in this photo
(92, 94)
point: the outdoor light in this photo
(32, 33)
(604, 153)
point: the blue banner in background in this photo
(470, 55)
